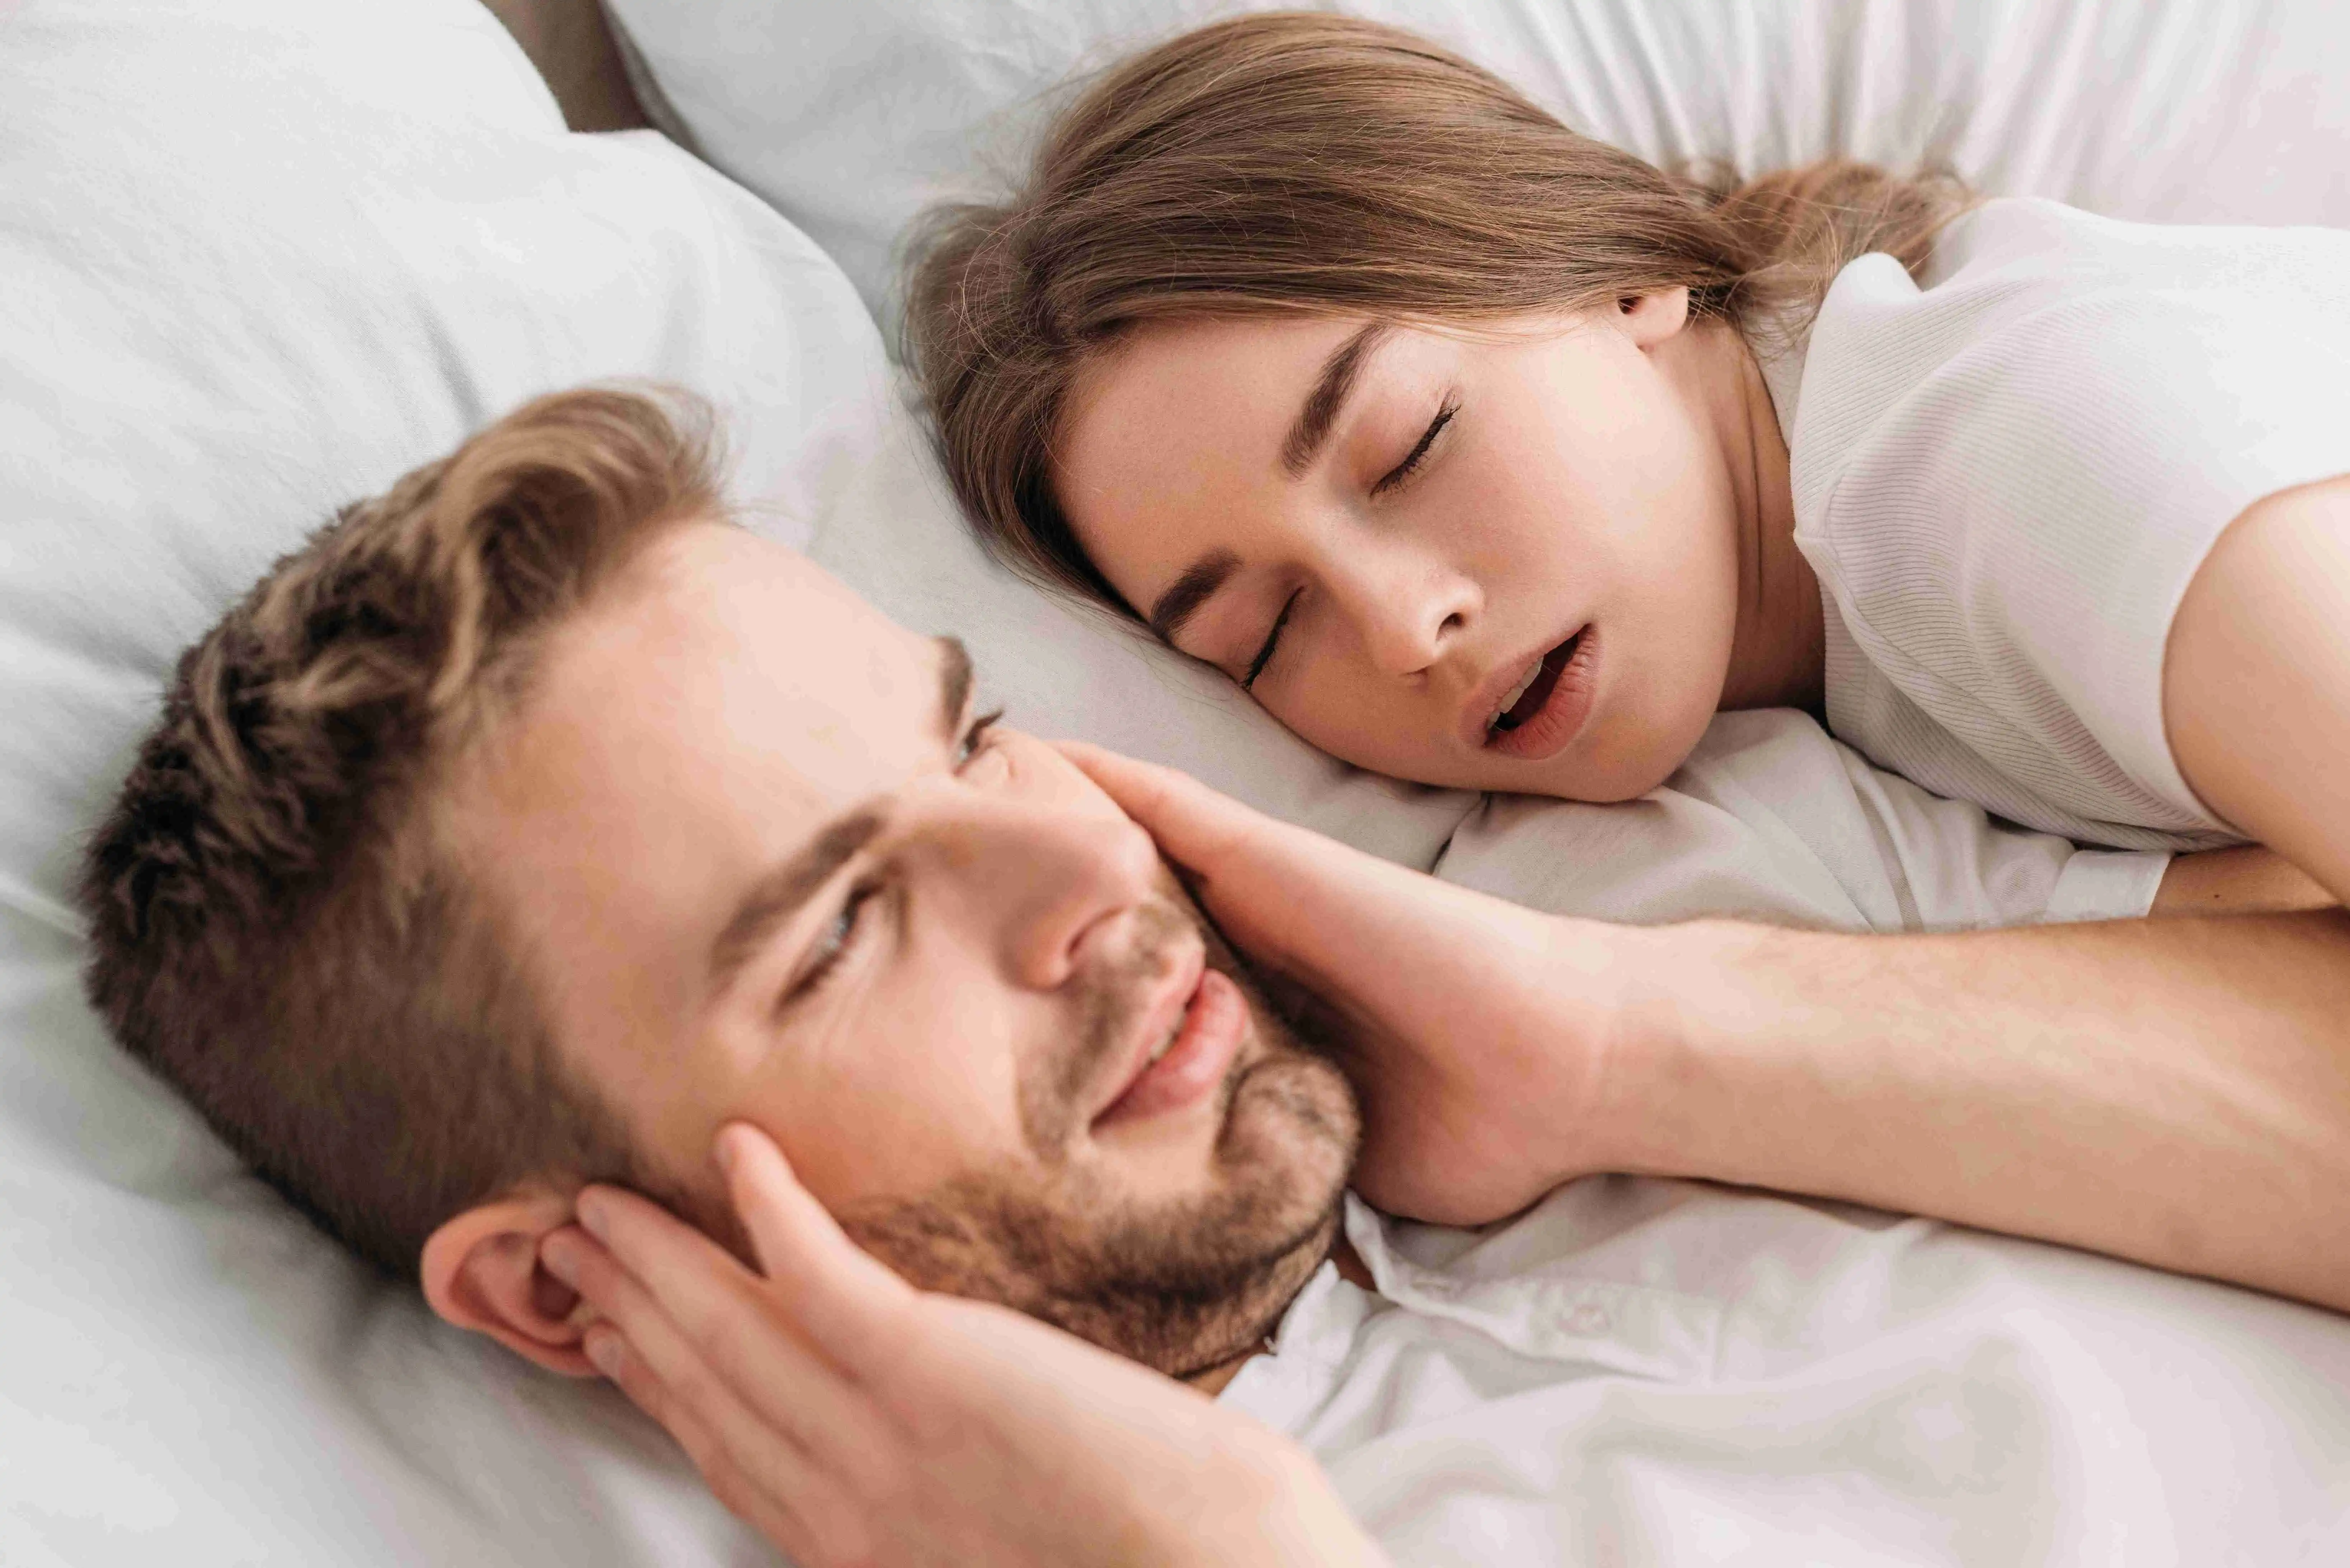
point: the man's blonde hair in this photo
(280, 925)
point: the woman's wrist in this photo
(1687, 1000)
(1268, 1505)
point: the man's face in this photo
(764, 869)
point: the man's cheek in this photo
(922, 1096)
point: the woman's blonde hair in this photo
(1303, 163)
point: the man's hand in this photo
(852, 1418)
(1477, 1033)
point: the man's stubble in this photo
(1179, 1287)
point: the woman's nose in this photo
(1046, 881)
(1406, 609)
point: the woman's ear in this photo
(482, 1273)
(1654, 316)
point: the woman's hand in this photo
(1479, 1035)
(852, 1418)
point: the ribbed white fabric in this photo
(2006, 479)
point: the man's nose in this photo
(1047, 880)
(1407, 608)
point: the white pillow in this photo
(261, 257)
(850, 119)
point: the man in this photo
(534, 824)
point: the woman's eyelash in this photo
(838, 938)
(1272, 640)
(1403, 470)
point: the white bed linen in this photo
(852, 118)
(1654, 1372)
(263, 254)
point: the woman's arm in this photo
(2256, 679)
(2175, 1092)
(2249, 880)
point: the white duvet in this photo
(260, 255)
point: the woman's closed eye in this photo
(1419, 453)
(1271, 641)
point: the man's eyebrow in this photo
(954, 688)
(1329, 396)
(783, 890)
(1200, 579)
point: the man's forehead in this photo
(807, 672)
(707, 720)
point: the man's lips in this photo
(1203, 1012)
(1531, 707)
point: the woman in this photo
(1462, 441)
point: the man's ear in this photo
(1654, 316)
(482, 1273)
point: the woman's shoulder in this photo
(2047, 341)
(2014, 239)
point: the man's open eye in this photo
(977, 738)
(838, 938)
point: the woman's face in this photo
(1506, 563)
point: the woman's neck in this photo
(1778, 653)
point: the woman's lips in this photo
(1569, 671)
(1205, 1044)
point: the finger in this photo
(1195, 826)
(762, 1391)
(766, 1503)
(850, 1305)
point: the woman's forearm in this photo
(2173, 1091)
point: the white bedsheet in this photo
(263, 254)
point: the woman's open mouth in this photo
(1537, 717)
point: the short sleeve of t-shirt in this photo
(2007, 473)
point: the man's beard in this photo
(1182, 1286)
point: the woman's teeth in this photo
(1516, 691)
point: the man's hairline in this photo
(433, 831)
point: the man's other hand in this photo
(852, 1418)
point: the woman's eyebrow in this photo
(1200, 579)
(1323, 404)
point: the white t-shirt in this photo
(1639, 1372)
(2006, 474)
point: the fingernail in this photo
(725, 1150)
(592, 1216)
(559, 1255)
(603, 1351)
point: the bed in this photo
(262, 256)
